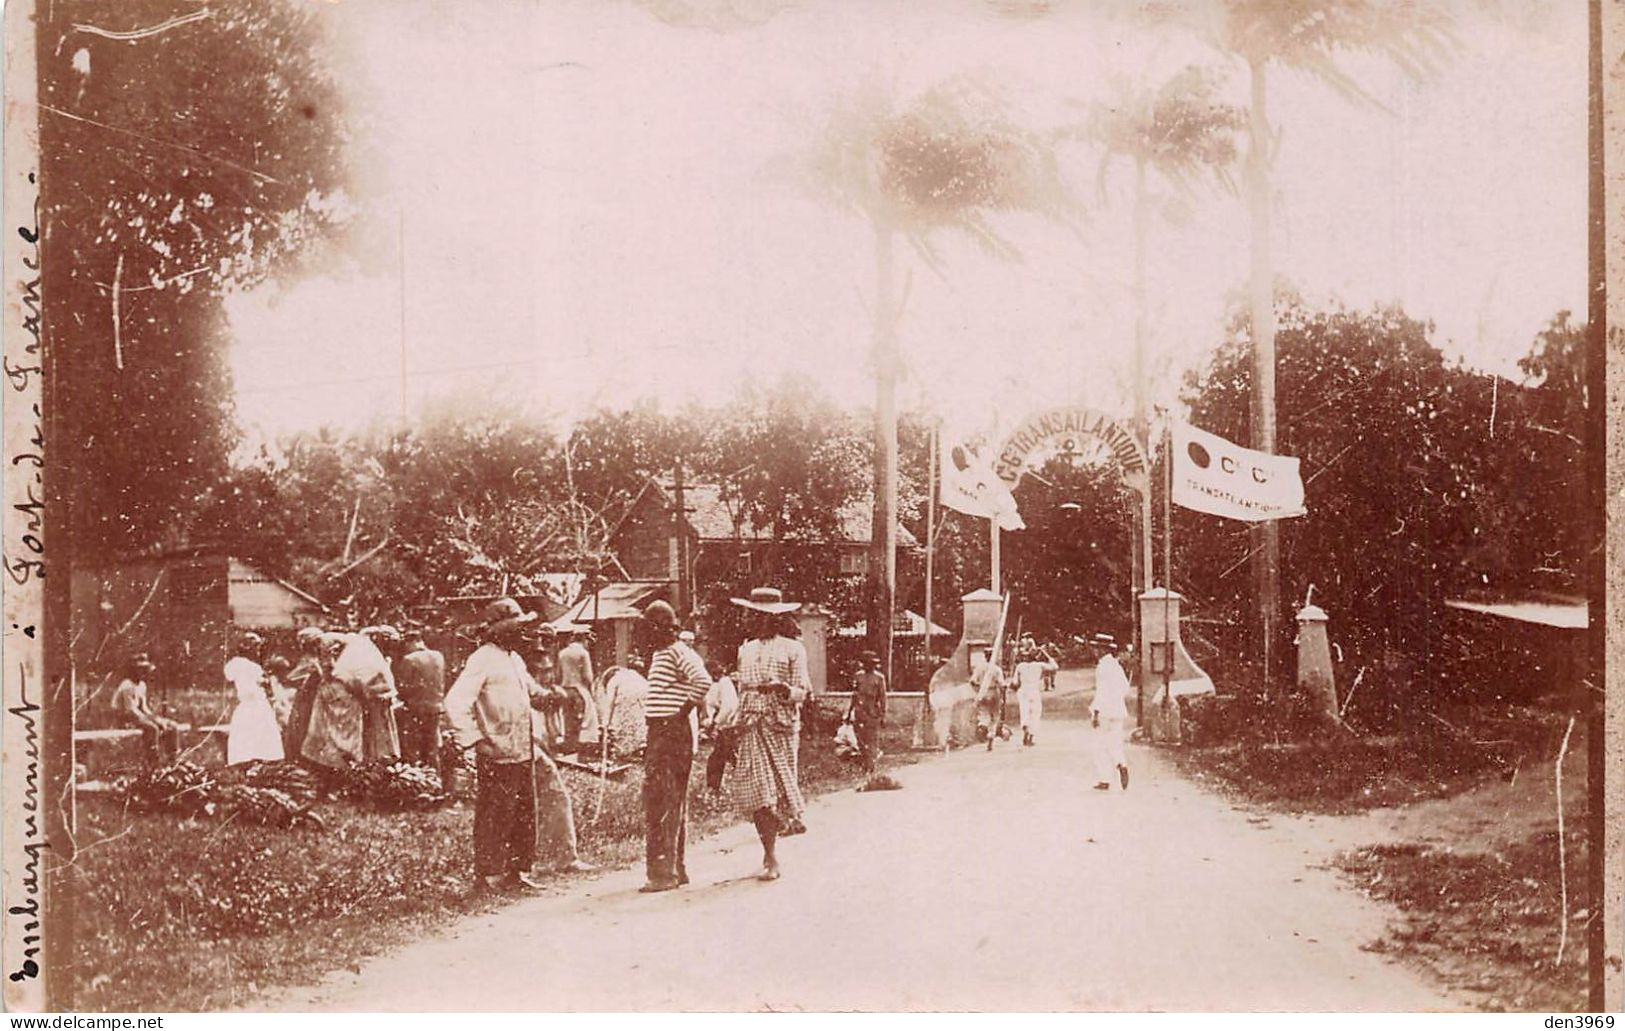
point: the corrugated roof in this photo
(713, 520)
(1565, 615)
(613, 601)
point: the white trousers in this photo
(1032, 708)
(1109, 754)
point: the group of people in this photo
(1031, 674)
(755, 716)
(377, 693)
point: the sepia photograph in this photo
(800, 505)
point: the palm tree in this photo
(1308, 36)
(1180, 133)
(951, 161)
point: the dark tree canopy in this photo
(1425, 479)
(199, 156)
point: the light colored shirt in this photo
(246, 676)
(677, 678)
(988, 678)
(777, 660)
(722, 702)
(490, 702)
(1030, 675)
(575, 666)
(362, 668)
(1111, 690)
(130, 699)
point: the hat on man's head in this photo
(767, 599)
(686, 636)
(308, 634)
(141, 660)
(504, 614)
(381, 632)
(661, 614)
(249, 638)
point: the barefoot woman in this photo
(772, 685)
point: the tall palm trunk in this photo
(883, 537)
(1266, 537)
(1141, 559)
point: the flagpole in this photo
(1168, 562)
(930, 538)
(993, 553)
(925, 724)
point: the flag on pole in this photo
(969, 484)
(1215, 476)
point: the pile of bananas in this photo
(392, 786)
(266, 806)
(287, 777)
(189, 789)
(179, 787)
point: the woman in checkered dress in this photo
(772, 684)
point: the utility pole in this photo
(679, 529)
(1603, 701)
(401, 290)
(1266, 536)
(883, 529)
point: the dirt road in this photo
(990, 882)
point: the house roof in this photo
(241, 572)
(713, 520)
(1565, 614)
(613, 601)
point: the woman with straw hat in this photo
(772, 685)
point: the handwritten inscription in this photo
(22, 556)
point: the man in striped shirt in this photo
(678, 684)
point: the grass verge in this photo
(1487, 923)
(178, 915)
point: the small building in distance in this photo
(724, 546)
(180, 608)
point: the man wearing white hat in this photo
(489, 708)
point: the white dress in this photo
(253, 733)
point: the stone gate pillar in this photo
(1167, 671)
(1315, 677)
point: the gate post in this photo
(1315, 677)
(1164, 661)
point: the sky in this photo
(567, 204)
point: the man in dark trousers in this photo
(678, 683)
(490, 709)
(420, 677)
(869, 708)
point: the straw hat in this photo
(505, 614)
(767, 599)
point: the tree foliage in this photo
(199, 156)
(1425, 479)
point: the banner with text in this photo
(1215, 476)
(969, 484)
